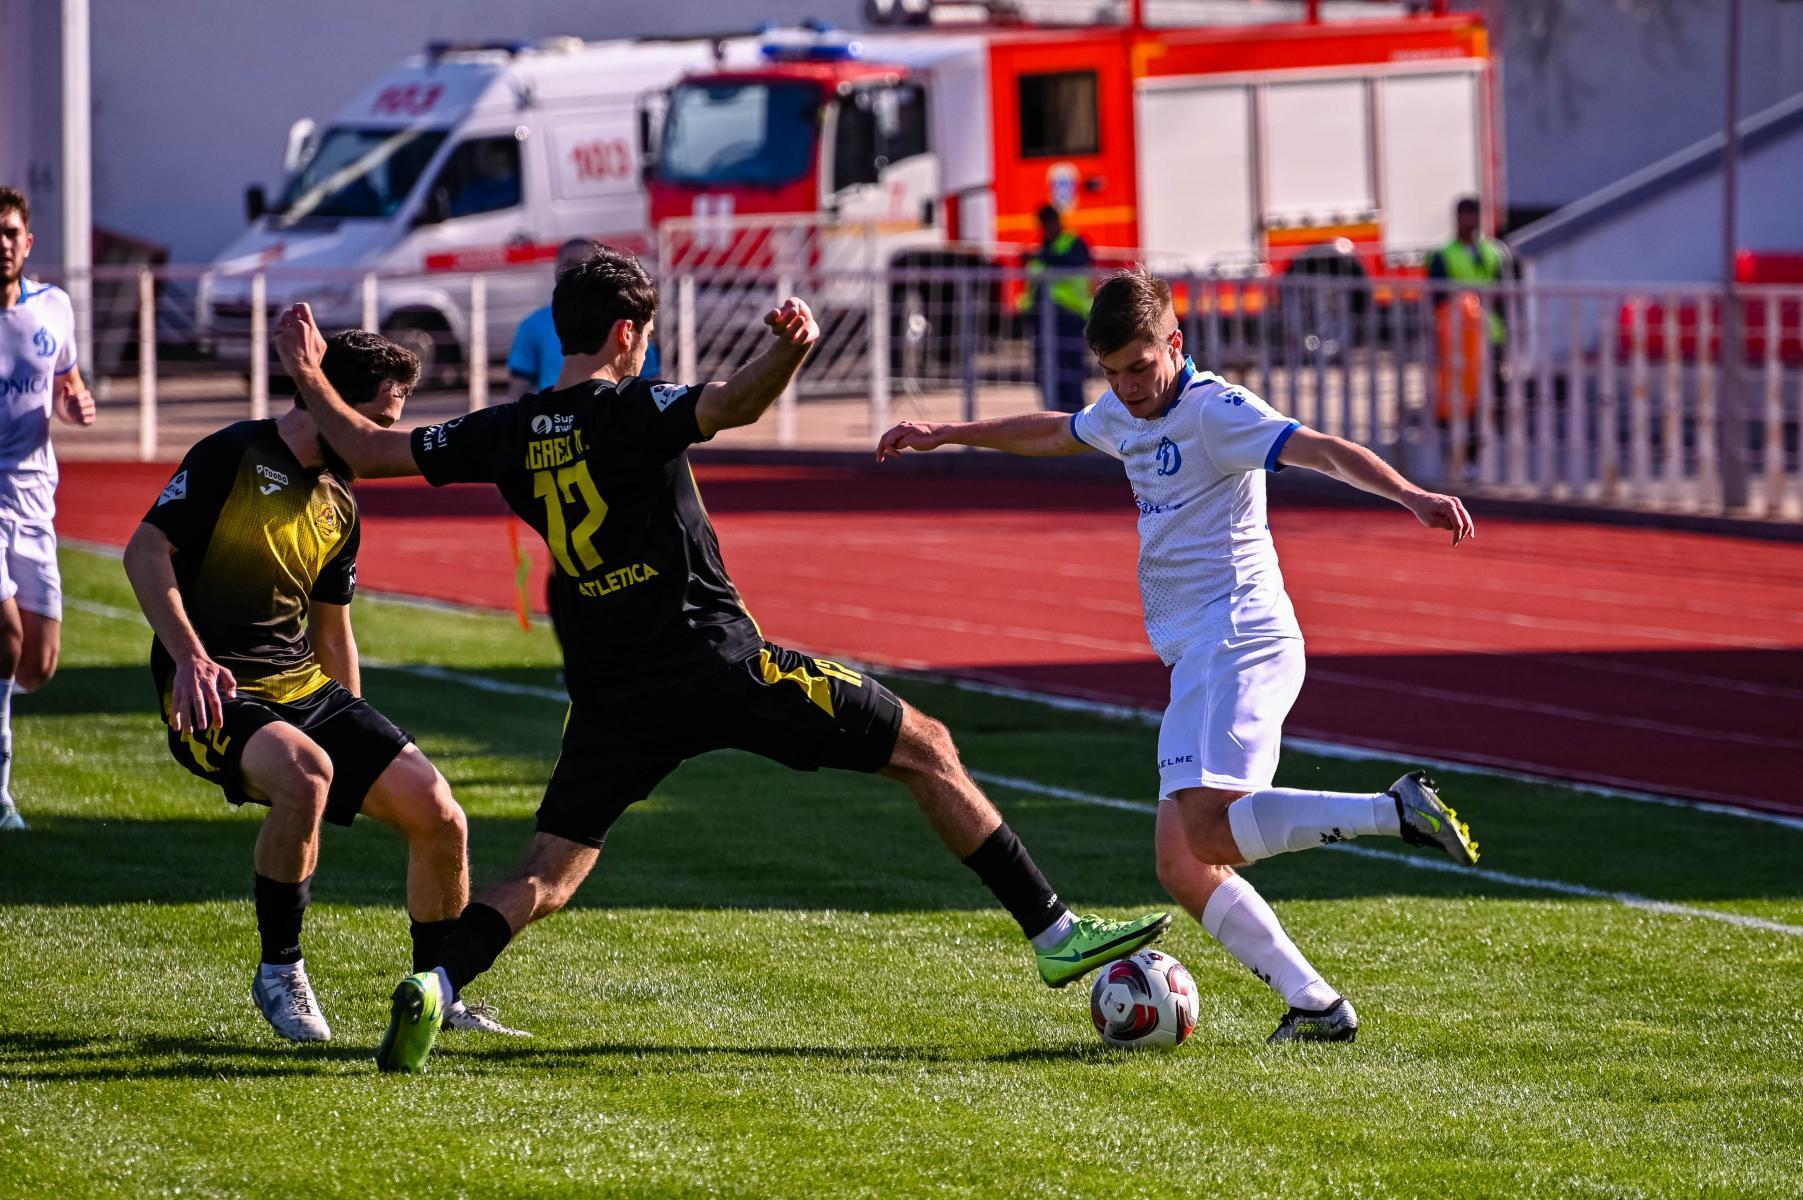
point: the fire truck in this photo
(1334, 140)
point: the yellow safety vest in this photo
(1070, 292)
(1481, 269)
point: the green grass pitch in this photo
(779, 984)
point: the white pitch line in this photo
(484, 684)
(1326, 749)
(1418, 863)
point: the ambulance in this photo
(464, 159)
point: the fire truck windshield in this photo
(359, 173)
(740, 133)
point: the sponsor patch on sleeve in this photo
(175, 489)
(665, 394)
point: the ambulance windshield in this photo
(359, 173)
(740, 133)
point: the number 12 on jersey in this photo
(571, 485)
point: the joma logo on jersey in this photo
(275, 480)
(553, 451)
(43, 343)
(1170, 458)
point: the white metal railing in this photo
(1621, 396)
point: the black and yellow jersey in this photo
(257, 537)
(639, 592)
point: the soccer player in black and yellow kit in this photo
(661, 659)
(245, 567)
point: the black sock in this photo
(475, 941)
(1007, 870)
(279, 910)
(428, 940)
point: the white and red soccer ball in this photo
(1146, 1000)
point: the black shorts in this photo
(805, 713)
(360, 741)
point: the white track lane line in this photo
(1420, 863)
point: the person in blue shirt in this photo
(536, 356)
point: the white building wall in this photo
(1638, 97)
(31, 116)
(1674, 237)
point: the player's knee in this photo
(304, 784)
(450, 827)
(926, 747)
(33, 673)
(1207, 833)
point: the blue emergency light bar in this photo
(815, 42)
(440, 47)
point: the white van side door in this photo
(478, 215)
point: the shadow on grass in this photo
(40, 1056)
(59, 1056)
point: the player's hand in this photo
(910, 435)
(793, 324)
(197, 701)
(1442, 512)
(76, 407)
(298, 341)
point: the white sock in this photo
(1056, 932)
(1240, 920)
(275, 969)
(1277, 820)
(444, 986)
(6, 741)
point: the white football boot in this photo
(10, 820)
(477, 1018)
(286, 999)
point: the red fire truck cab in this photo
(1224, 150)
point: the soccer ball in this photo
(1146, 1000)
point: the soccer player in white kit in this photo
(38, 376)
(1196, 450)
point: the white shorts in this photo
(1224, 726)
(28, 570)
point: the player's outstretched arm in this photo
(1352, 463)
(371, 450)
(201, 685)
(1036, 435)
(755, 386)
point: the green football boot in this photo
(412, 1024)
(1095, 941)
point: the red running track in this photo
(1662, 661)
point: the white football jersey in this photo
(37, 343)
(1207, 565)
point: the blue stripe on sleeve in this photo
(1085, 441)
(1271, 463)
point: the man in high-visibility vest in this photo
(1474, 263)
(1472, 259)
(1058, 278)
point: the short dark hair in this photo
(591, 295)
(357, 362)
(1468, 204)
(1131, 304)
(12, 198)
(1049, 212)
